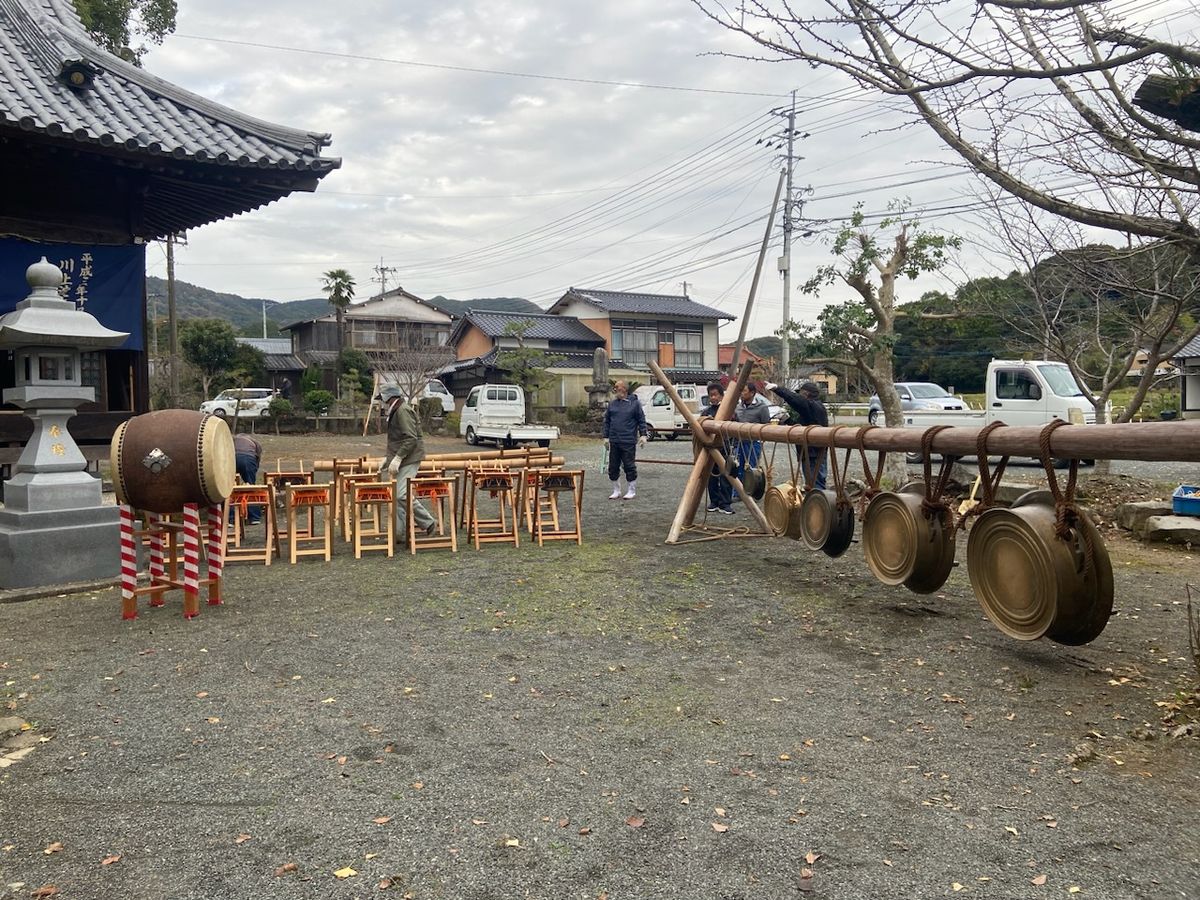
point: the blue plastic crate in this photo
(1183, 505)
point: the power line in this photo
(473, 69)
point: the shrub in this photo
(452, 420)
(318, 402)
(281, 408)
(578, 414)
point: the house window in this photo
(634, 343)
(689, 345)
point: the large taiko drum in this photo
(166, 459)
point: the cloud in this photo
(480, 184)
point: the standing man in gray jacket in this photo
(624, 431)
(753, 409)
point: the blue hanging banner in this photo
(104, 280)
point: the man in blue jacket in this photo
(624, 432)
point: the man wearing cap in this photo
(405, 450)
(624, 431)
(809, 410)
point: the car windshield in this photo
(927, 391)
(1059, 378)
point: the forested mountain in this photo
(246, 313)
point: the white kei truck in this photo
(496, 413)
(663, 420)
(1019, 392)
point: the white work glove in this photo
(642, 441)
(769, 385)
(606, 442)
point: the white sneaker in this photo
(616, 494)
(632, 492)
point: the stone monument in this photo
(599, 391)
(53, 526)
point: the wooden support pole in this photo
(714, 452)
(1146, 441)
(685, 515)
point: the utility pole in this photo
(264, 312)
(382, 272)
(685, 284)
(172, 323)
(785, 354)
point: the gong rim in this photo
(890, 536)
(935, 549)
(841, 531)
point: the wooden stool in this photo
(311, 498)
(548, 486)
(240, 499)
(373, 514)
(345, 487)
(504, 528)
(280, 480)
(436, 490)
(338, 468)
(526, 498)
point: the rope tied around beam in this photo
(988, 480)
(873, 478)
(839, 475)
(1067, 514)
(935, 503)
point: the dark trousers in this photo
(816, 460)
(246, 465)
(622, 455)
(720, 491)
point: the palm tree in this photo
(338, 285)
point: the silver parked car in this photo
(916, 395)
(251, 401)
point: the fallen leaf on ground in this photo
(635, 821)
(285, 868)
(956, 886)
(370, 855)
(109, 860)
(1038, 880)
(479, 821)
(720, 827)
(385, 883)
(512, 842)
(585, 830)
(241, 839)
(564, 822)
(202, 694)
(1074, 889)
(811, 857)
(344, 873)
(46, 890)
(383, 820)
(417, 785)
(720, 811)
(53, 848)
(213, 720)
(1012, 831)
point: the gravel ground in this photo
(625, 719)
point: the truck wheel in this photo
(873, 416)
(914, 457)
(651, 433)
(471, 438)
(545, 442)
(672, 436)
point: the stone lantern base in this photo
(59, 546)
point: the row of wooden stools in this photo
(493, 503)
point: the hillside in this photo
(493, 304)
(246, 313)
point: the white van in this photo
(662, 418)
(432, 388)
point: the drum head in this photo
(1013, 573)
(778, 508)
(890, 536)
(216, 458)
(816, 517)
(114, 463)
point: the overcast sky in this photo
(478, 184)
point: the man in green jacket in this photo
(405, 450)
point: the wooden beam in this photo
(1147, 441)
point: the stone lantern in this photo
(53, 526)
